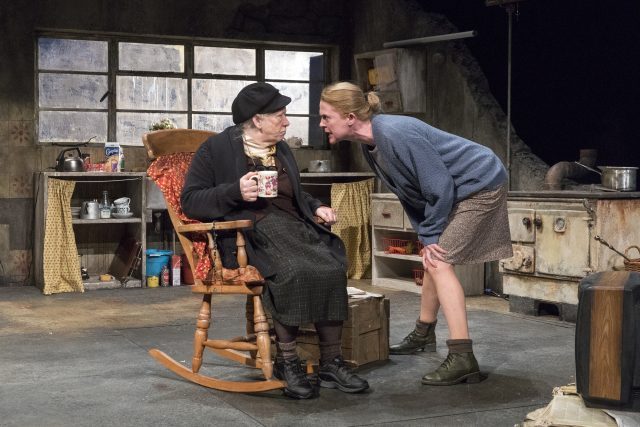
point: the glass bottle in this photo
(105, 205)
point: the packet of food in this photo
(114, 157)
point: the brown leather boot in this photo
(416, 340)
(459, 366)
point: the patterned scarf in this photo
(256, 151)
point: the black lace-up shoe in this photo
(336, 374)
(298, 385)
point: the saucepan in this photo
(620, 178)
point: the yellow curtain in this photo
(353, 206)
(61, 266)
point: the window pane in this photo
(299, 127)
(131, 126)
(299, 94)
(214, 122)
(151, 93)
(151, 57)
(215, 95)
(72, 126)
(287, 65)
(72, 90)
(223, 60)
(72, 55)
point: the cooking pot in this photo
(320, 166)
(619, 178)
(70, 163)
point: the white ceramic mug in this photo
(267, 183)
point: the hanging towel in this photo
(352, 204)
(60, 259)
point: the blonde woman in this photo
(453, 191)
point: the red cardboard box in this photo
(176, 263)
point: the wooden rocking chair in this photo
(172, 150)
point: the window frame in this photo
(330, 67)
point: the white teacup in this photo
(122, 201)
(267, 183)
(122, 209)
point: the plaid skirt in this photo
(478, 229)
(310, 284)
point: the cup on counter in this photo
(267, 183)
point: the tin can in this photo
(152, 281)
(164, 276)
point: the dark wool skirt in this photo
(478, 229)
(310, 284)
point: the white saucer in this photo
(122, 216)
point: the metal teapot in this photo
(70, 163)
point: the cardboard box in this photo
(365, 336)
(176, 262)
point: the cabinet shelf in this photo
(107, 220)
(395, 271)
(415, 258)
(100, 243)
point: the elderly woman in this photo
(303, 263)
(453, 191)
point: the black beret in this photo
(257, 98)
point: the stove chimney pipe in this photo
(561, 170)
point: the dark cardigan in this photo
(212, 192)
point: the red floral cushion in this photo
(169, 172)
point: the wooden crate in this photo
(365, 337)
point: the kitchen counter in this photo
(596, 193)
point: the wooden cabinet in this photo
(98, 241)
(391, 227)
(397, 75)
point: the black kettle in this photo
(70, 163)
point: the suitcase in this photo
(607, 348)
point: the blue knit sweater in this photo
(430, 170)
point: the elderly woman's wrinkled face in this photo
(334, 123)
(273, 126)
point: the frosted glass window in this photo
(72, 55)
(72, 91)
(131, 126)
(151, 57)
(288, 65)
(214, 122)
(299, 94)
(225, 60)
(151, 93)
(72, 126)
(298, 127)
(215, 95)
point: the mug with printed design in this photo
(267, 181)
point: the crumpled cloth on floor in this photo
(567, 409)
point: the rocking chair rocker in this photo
(172, 150)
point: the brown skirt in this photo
(478, 229)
